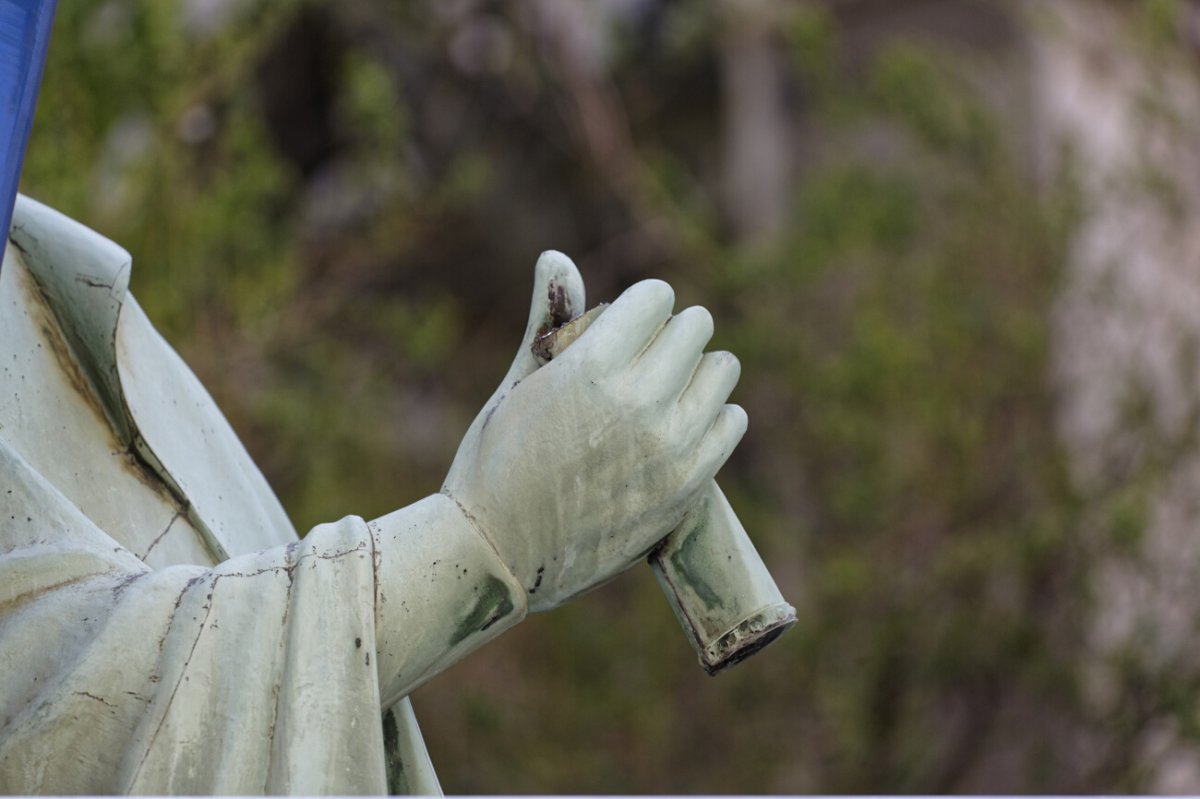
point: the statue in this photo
(162, 630)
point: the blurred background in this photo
(953, 242)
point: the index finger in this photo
(628, 325)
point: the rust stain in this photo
(43, 317)
(561, 309)
(145, 474)
(561, 312)
(130, 458)
(42, 590)
(553, 338)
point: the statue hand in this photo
(575, 470)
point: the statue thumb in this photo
(558, 297)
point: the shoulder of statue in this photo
(153, 402)
(84, 278)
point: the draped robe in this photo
(162, 627)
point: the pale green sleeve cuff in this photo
(441, 592)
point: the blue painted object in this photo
(24, 35)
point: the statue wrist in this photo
(441, 592)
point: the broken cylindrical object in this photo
(718, 585)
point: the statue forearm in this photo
(441, 592)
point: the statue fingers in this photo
(620, 334)
(668, 363)
(719, 442)
(704, 398)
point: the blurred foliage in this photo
(334, 210)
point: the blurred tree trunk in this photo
(1116, 96)
(755, 175)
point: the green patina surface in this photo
(397, 781)
(691, 565)
(492, 604)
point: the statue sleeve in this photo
(262, 675)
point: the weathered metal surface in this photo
(132, 659)
(50, 413)
(718, 585)
(134, 664)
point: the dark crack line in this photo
(300, 561)
(182, 673)
(178, 515)
(282, 654)
(102, 701)
(92, 282)
(287, 567)
(373, 535)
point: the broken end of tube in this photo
(747, 637)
